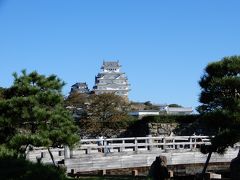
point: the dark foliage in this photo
(220, 98)
(20, 169)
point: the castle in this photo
(112, 80)
(109, 80)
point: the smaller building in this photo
(178, 110)
(80, 87)
(163, 110)
(142, 113)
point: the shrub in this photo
(21, 169)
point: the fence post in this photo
(71, 153)
(122, 147)
(149, 141)
(191, 141)
(105, 150)
(173, 141)
(66, 152)
(136, 144)
(164, 143)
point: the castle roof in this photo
(80, 84)
(110, 64)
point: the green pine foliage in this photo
(220, 98)
(32, 113)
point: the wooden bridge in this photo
(118, 153)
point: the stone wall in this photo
(149, 125)
(142, 128)
(179, 170)
(156, 129)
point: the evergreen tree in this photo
(1, 93)
(220, 98)
(32, 113)
(174, 105)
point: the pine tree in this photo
(32, 113)
(220, 98)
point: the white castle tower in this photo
(111, 80)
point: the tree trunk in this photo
(51, 155)
(206, 164)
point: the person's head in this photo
(158, 159)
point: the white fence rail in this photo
(163, 143)
(110, 153)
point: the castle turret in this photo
(80, 88)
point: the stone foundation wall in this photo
(179, 170)
(142, 129)
(156, 129)
(192, 169)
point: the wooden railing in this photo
(163, 143)
(123, 145)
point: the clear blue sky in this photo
(163, 46)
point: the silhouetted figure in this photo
(158, 169)
(235, 167)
